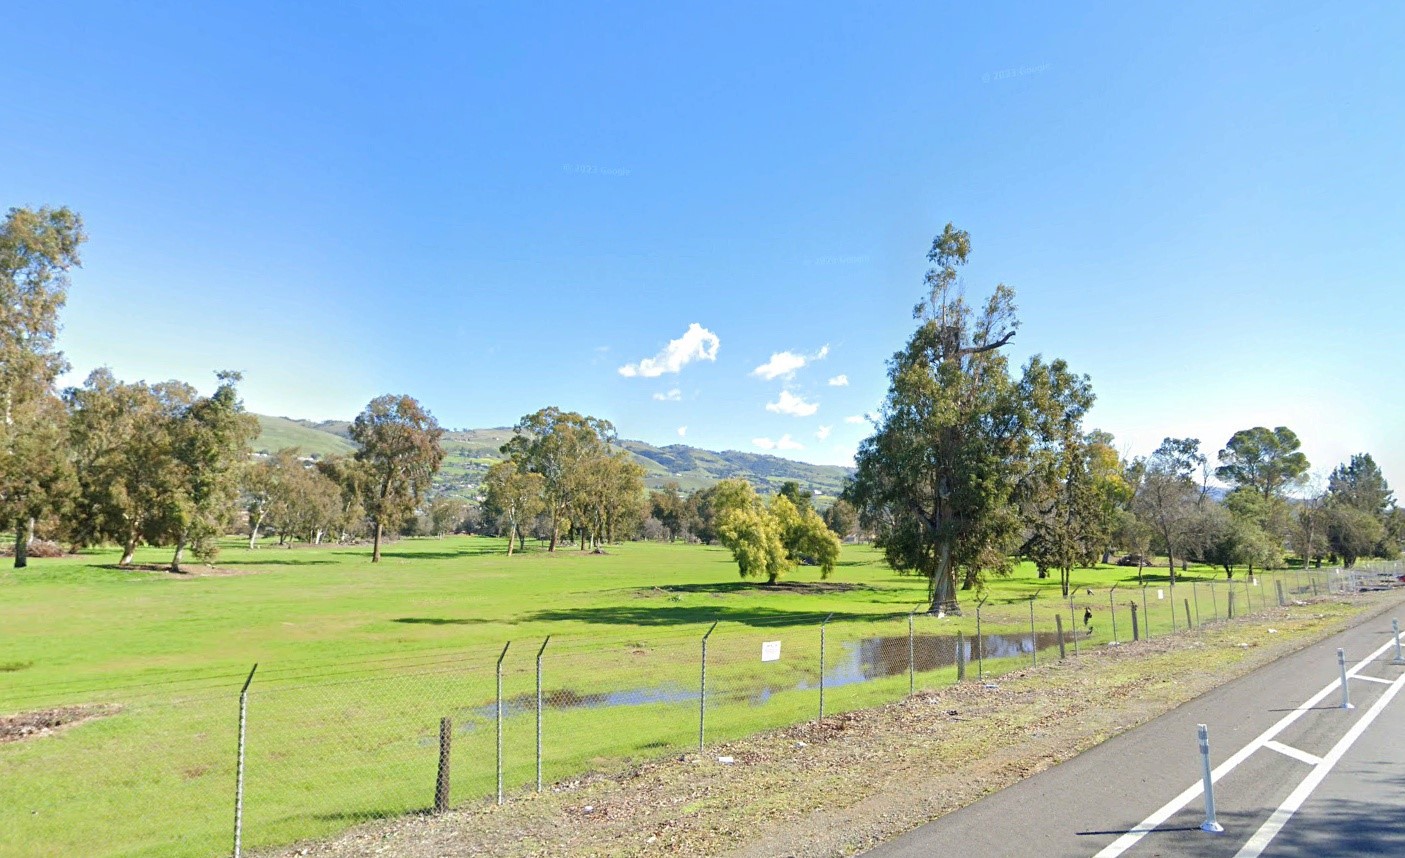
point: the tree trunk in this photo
(376, 546)
(180, 550)
(942, 592)
(128, 550)
(21, 546)
(512, 533)
(254, 531)
(317, 539)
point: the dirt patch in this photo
(187, 570)
(46, 722)
(859, 778)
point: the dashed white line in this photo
(1374, 679)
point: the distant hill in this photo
(469, 453)
(278, 433)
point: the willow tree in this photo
(936, 479)
(401, 453)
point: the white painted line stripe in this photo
(1259, 842)
(1172, 807)
(1374, 679)
(1295, 753)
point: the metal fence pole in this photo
(1188, 625)
(1112, 610)
(441, 777)
(1195, 597)
(1033, 636)
(822, 625)
(1395, 628)
(239, 766)
(911, 651)
(1059, 622)
(1214, 601)
(540, 652)
(1172, 602)
(702, 690)
(980, 641)
(499, 708)
(1146, 615)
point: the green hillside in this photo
(469, 453)
(277, 433)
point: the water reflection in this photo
(858, 661)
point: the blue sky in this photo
(496, 207)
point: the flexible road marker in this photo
(1174, 806)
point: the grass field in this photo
(358, 663)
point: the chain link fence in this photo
(164, 770)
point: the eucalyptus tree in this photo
(1167, 498)
(1262, 460)
(513, 497)
(559, 445)
(38, 247)
(937, 480)
(400, 451)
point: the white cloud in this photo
(854, 418)
(840, 380)
(823, 432)
(785, 442)
(784, 364)
(672, 396)
(791, 404)
(682, 431)
(697, 343)
(781, 364)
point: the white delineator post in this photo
(1209, 824)
(1395, 627)
(1346, 693)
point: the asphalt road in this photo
(1296, 774)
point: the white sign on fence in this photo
(771, 651)
(1160, 594)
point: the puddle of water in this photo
(861, 661)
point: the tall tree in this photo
(38, 247)
(210, 443)
(400, 449)
(1167, 497)
(1262, 460)
(805, 536)
(937, 478)
(558, 445)
(1359, 506)
(842, 518)
(513, 497)
(1360, 484)
(123, 438)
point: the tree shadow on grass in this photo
(283, 561)
(682, 615)
(440, 621)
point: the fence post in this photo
(1214, 602)
(1395, 627)
(1146, 614)
(1188, 625)
(239, 766)
(1346, 694)
(1282, 602)
(824, 623)
(1073, 621)
(499, 707)
(1229, 609)
(1195, 597)
(980, 642)
(539, 711)
(1059, 621)
(441, 777)
(1210, 824)
(1112, 611)
(1136, 633)
(960, 656)
(1033, 635)
(911, 651)
(702, 691)
(1171, 593)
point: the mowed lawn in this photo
(359, 661)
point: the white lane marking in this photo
(1259, 842)
(1172, 807)
(1374, 679)
(1295, 753)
